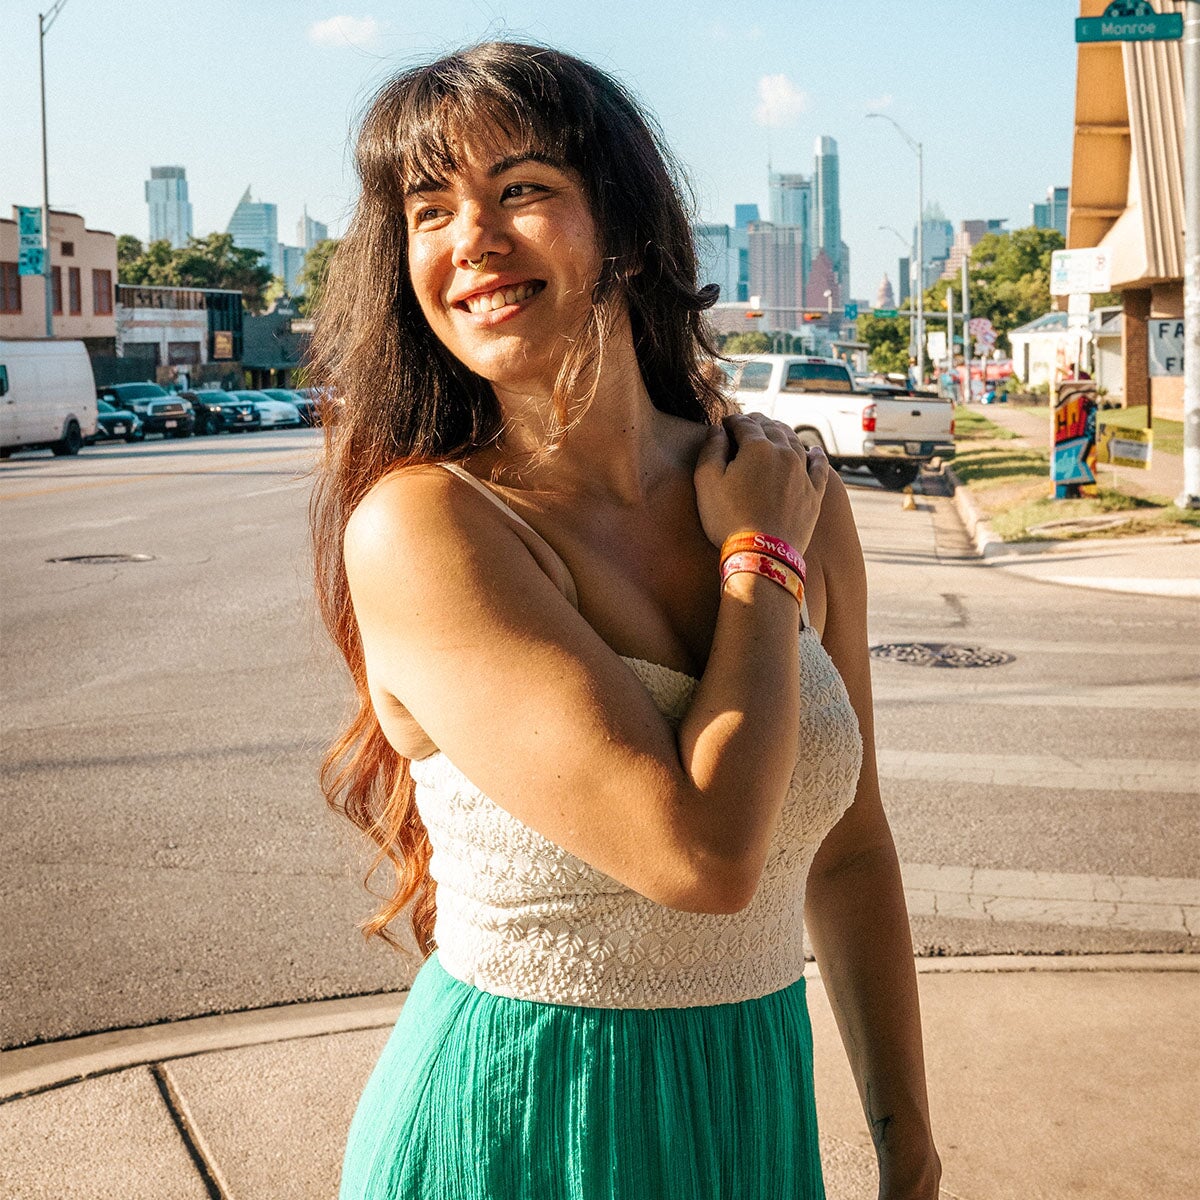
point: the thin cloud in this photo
(362, 32)
(880, 102)
(780, 101)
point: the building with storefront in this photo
(83, 270)
(1126, 193)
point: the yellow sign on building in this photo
(1124, 447)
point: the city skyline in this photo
(730, 98)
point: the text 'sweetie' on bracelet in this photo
(754, 563)
(763, 543)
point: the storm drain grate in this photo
(100, 560)
(940, 654)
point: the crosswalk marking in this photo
(1181, 777)
(1144, 903)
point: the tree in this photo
(747, 343)
(1010, 279)
(129, 250)
(888, 339)
(315, 272)
(208, 262)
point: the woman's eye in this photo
(518, 191)
(423, 215)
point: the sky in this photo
(266, 93)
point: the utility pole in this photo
(1190, 496)
(949, 329)
(919, 151)
(966, 315)
(45, 20)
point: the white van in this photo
(47, 395)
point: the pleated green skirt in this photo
(482, 1097)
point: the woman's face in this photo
(512, 319)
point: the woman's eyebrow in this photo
(420, 187)
(515, 160)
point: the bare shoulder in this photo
(403, 509)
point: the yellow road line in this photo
(142, 477)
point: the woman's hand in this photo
(754, 474)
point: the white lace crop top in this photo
(519, 916)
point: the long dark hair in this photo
(401, 398)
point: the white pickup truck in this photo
(890, 430)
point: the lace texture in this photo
(519, 916)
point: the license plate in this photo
(171, 424)
(245, 418)
(119, 429)
(913, 448)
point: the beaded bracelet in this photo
(766, 566)
(763, 543)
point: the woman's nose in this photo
(479, 236)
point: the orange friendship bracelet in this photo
(763, 543)
(754, 563)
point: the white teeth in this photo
(491, 301)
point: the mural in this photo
(1073, 461)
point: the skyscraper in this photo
(827, 206)
(1052, 214)
(170, 212)
(717, 251)
(777, 271)
(255, 226)
(309, 232)
(791, 204)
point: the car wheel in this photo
(810, 439)
(895, 476)
(70, 442)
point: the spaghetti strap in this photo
(804, 612)
(570, 591)
(483, 489)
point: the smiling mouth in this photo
(485, 302)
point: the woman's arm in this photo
(855, 909)
(463, 628)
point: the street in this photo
(167, 852)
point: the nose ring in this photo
(477, 264)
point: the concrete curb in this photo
(54, 1064)
(988, 544)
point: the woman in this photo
(614, 769)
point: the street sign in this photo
(886, 312)
(1130, 21)
(851, 312)
(31, 258)
(1087, 270)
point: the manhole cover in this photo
(100, 560)
(940, 654)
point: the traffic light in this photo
(753, 313)
(813, 316)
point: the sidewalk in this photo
(1048, 1077)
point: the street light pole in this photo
(45, 20)
(1190, 496)
(917, 148)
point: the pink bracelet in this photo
(763, 543)
(748, 561)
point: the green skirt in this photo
(482, 1097)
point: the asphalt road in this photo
(166, 851)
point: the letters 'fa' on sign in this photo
(1166, 345)
(1130, 21)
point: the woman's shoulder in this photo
(413, 502)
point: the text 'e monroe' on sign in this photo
(1130, 21)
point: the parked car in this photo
(113, 424)
(323, 404)
(275, 413)
(889, 432)
(47, 396)
(218, 411)
(160, 411)
(306, 406)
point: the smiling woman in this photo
(608, 716)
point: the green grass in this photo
(1168, 435)
(1154, 516)
(971, 424)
